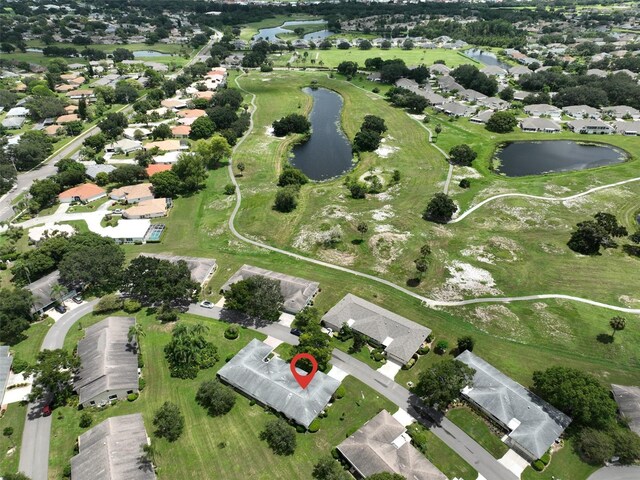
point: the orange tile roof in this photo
(181, 130)
(83, 192)
(70, 108)
(52, 129)
(207, 95)
(191, 113)
(72, 117)
(157, 168)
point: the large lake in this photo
(534, 158)
(270, 34)
(488, 58)
(327, 153)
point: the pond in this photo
(488, 58)
(270, 34)
(327, 153)
(149, 53)
(535, 158)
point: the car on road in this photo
(207, 304)
(60, 308)
(117, 211)
(296, 331)
(46, 410)
(77, 299)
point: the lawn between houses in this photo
(199, 450)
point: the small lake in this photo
(535, 158)
(270, 34)
(149, 53)
(327, 153)
(488, 58)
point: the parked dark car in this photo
(296, 331)
(77, 299)
(60, 308)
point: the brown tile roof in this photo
(83, 192)
(157, 168)
(192, 113)
(181, 130)
(72, 117)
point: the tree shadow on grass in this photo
(605, 338)
(413, 282)
(357, 241)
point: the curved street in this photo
(616, 473)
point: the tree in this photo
(328, 468)
(590, 235)
(152, 280)
(126, 91)
(203, 127)
(15, 476)
(191, 172)
(312, 340)
(96, 142)
(15, 314)
(189, 351)
(422, 265)
(371, 122)
(462, 155)
(595, 446)
(617, 323)
(292, 176)
(113, 125)
(41, 107)
(363, 228)
(347, 68)
(259, 297)
(280, 436)
(286, 199)
(440, 209)
(465, 343)
(120, 54)
(627, 445)
(241, 167)
(293, 123)
(222, 117)
(161, 132)
(217, 398)
(359, 341)
(502, 122)
(470, 77)
(365, 45)
(366, 141)
(53, 375)
(92, 261)
(507, 93)
(438, 129)
(7, 47)
(578, 394)
(169, 422)
(127, 174)
(166, 184)
(212, 151)
(441, 384)
(32, 148)
(44, 192)
(135, 332)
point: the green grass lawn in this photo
(89, 207)
(28, 349)
(445, 459)
(198, 451)
(14, 418)
(477, 429)
(565, 464)
(331, 58)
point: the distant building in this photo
(382, 445)
(133, 193)
(85, 193)
(532, 425)
(539, 125)
(113, 450)
(269, 381)
(153, 208)
(109, 363)
(543, 109)
(590, 126)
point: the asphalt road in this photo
(34, 452)
(616, 473)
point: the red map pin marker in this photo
(303, 380)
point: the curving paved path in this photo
(426, 301)
(616, 473)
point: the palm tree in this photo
(135, 331)
(58, 291)
(617, 323)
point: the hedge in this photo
(132, 397)
(315, 426)
(538, 466)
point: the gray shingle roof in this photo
(5, 369)
(628, 400)
(108, 362)
(401, 336)
(381, 445)
(297, 292)
(41, 290)
(534, 424)
(272, 383)
(112, 451)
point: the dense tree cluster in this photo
(370, 135)
(440, 209)
(312, 340)
(292, 123)
(462, 155)
(591, 235)
(53, 374)
(470, 77)
(502, 122)
(259, 297)
(189, 351)
(15, 314)
(441, 384)
(32, 148)
(403, 98)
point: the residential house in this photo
(108, 363)
(53, 130)
(471, 95)
(200, 268)
(520, 95)
(590, 126)
(93, 170)
(581, 111)
(130, 132)
(181, 131)
(532, 425)
(5, 369)
(597, 72)
(133, 193)
(482, 117)
(113, 450)
(191, 113)
(494, 71)
(627, 398)
(129, 231)
(297, 292)
(622, 112)
(627, 128)
(494, 103)
(439, 69)
(383, 445)
(539, 125)
(87, 93)
(71, 117)
(166, 145)
(153, 208)
(434, 98)
(18, 112)
(85, 193)
(123, 146)
(455, 109)
(400, 337)
(519, 70)
(174, 103)
(543, 110)
(448, 84)
(267, 379)
(154, 168)
(13, 123)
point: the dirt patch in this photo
(499, 321)
(466, 279)
(385, 150)
(337, 212)
(387, 247)
(479, 253)
(549, 324)
(269, 131)
(464, 172)
(629, 301)
(557, 190)
(382, 214)
(552, 249)
(337, 257)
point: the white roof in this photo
(18, 112)
(136, 229)
(169, 157)
(50, 230)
